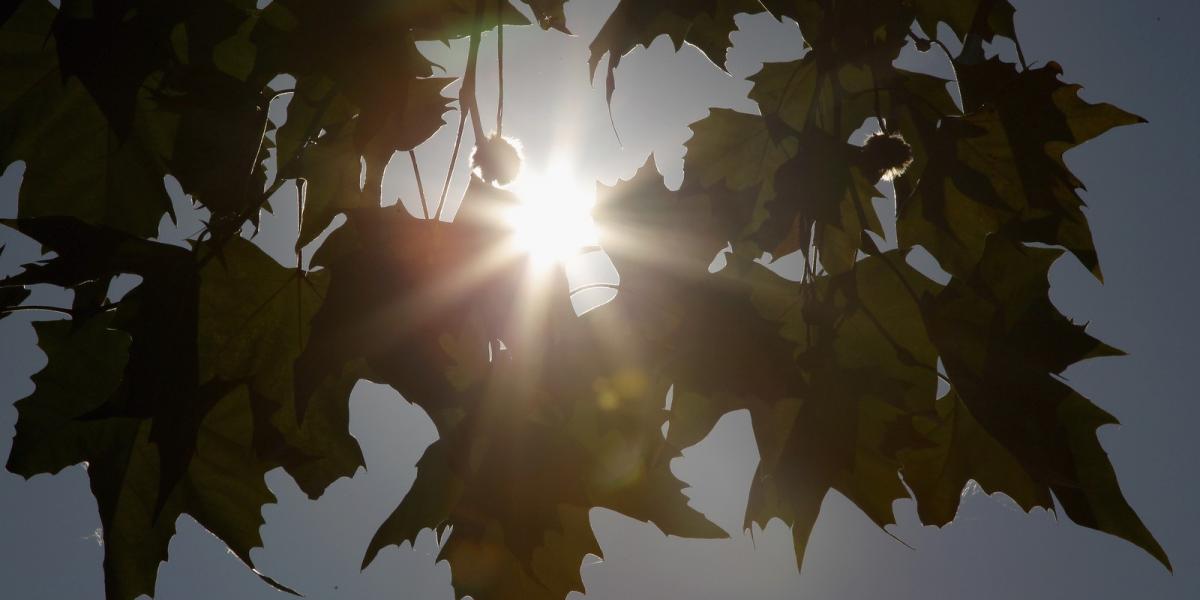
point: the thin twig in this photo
(949, 57)
(462, 121)
(412, 155)
(55, 309)
(467, 91)
(467, 104)
(279, 94)
(301, 196)
(58, 309)
(500, 66)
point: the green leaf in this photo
(63, 423)
(221, 364)
(1001, 168)
(961, 451)
(394, 119)
(254, 317)
(49, 120)
(332, 172)
(84, 368)
(1002, 341)
(867, 368)
(180, 399)
(831, 371)
(524, 452)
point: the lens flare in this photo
(554, 220)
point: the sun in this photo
(553, 221)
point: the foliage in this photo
(223, 364)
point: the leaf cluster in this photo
(866, 376)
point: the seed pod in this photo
(885, 156)
(497, 159)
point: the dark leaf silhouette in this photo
(221, 364)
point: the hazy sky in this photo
(1139, 55)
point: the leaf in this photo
(129, 119)
(524, 451)
(961, 451)
(1001, 341)
(60, 425)
(84, 368)
(867, 369)
(255, 317)
(219, 141)
(829, 412)
(48, 120)
(641, 221)
(824, 189)
(445, 20)
(705, 24)
(11, 297)
(221, 364)
(516, 477)
(185, 401)
(1002, 169)
(985, 18)
(87, 253)
(784, 183)
(549, 14)
(361, 119)
(331, 174)
(861, 32)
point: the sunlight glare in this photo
(554, 220)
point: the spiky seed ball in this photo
(885, 156)
(498, 160)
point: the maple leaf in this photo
(1001, 169)
(524, 451)
(186, 411)
(705, 24)
(221, 365)
(1007, 383)
(984, 18)
(47, 117)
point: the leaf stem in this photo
(58, 309)
(462, 121)
(466, 93)
(301, 196)
(949, 57)
(412, 155)
(467, 104)
(281, 167)
(54, 309)
(500, 66)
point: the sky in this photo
(1141, 191)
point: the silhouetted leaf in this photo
(220, 364)
(1002, 341)
(985, 18)
(705, 24)
(48, 119)
(549, 14)
(1002, 169)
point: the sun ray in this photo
(553, 222)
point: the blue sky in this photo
(1141, 56)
